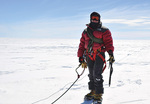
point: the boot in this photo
(97, 99)
(90, 95)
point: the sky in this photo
(126, 19)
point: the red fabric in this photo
(107, 39)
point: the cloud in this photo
(72, 28)
(129, 22)
(120, 20)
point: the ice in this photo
(38, 71)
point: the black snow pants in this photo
(95, 74)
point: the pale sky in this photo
(126, 19)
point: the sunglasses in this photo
(95, 17)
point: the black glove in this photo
(111, 57)
(81, 60)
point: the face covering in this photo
(93, 25)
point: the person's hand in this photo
(81, 60)
(84, 65)
(111, 58)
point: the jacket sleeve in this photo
(108, 42)
(81, 48)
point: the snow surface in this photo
(38, 71)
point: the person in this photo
(95, 41)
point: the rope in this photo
(78, 76)
(71, 85)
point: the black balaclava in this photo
(92, 24)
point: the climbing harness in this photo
(92, 56)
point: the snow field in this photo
(38, 71)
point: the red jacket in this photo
(102, 33)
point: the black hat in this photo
(95, 14)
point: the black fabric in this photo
(94, 25)
(81, 60)
(110, 52)
(95, 14)
(95, 74)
